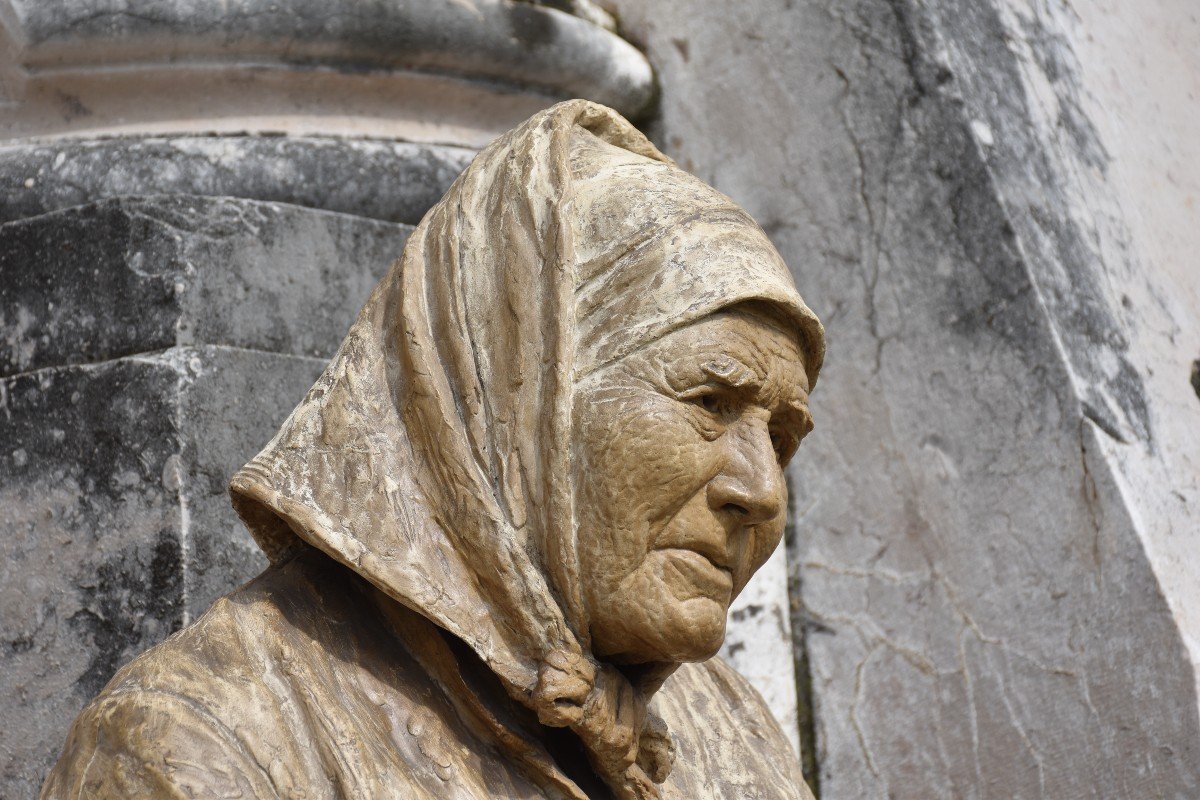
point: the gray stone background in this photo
(990, 587)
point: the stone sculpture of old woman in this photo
(506, 525)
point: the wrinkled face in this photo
(680, 497)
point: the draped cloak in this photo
(423, 613)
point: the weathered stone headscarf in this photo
(433, 456)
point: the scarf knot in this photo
(627, 745)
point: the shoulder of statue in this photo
(153, 743)
(731, 735)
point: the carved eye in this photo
(709, 401)
(712, 400)
(712, 408)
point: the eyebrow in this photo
(733, 373)
(799, 409)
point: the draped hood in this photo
(433, 456)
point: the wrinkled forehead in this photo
(743, 346)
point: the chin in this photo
(647, 622)
(694, 631)
(706, 630)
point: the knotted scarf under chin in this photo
(629, 747)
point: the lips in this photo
(690, 574)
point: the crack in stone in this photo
(159, 356)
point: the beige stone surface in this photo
(507, 523)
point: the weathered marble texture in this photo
(992, 566)
(181, 271)
(118, 527)
(393, 181)
(440, 71)
(125, 405)
(520, 43)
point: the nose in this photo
(750, 484)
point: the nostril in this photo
(737, 509)
(741, 502)
(745, 504)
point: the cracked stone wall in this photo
(155, 344)
(992, 207)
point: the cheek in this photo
(642, 456)
(637, 461)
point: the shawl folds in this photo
(433, 455)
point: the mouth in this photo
(697, 573)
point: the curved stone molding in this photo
(304, 66)
(384, 180)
